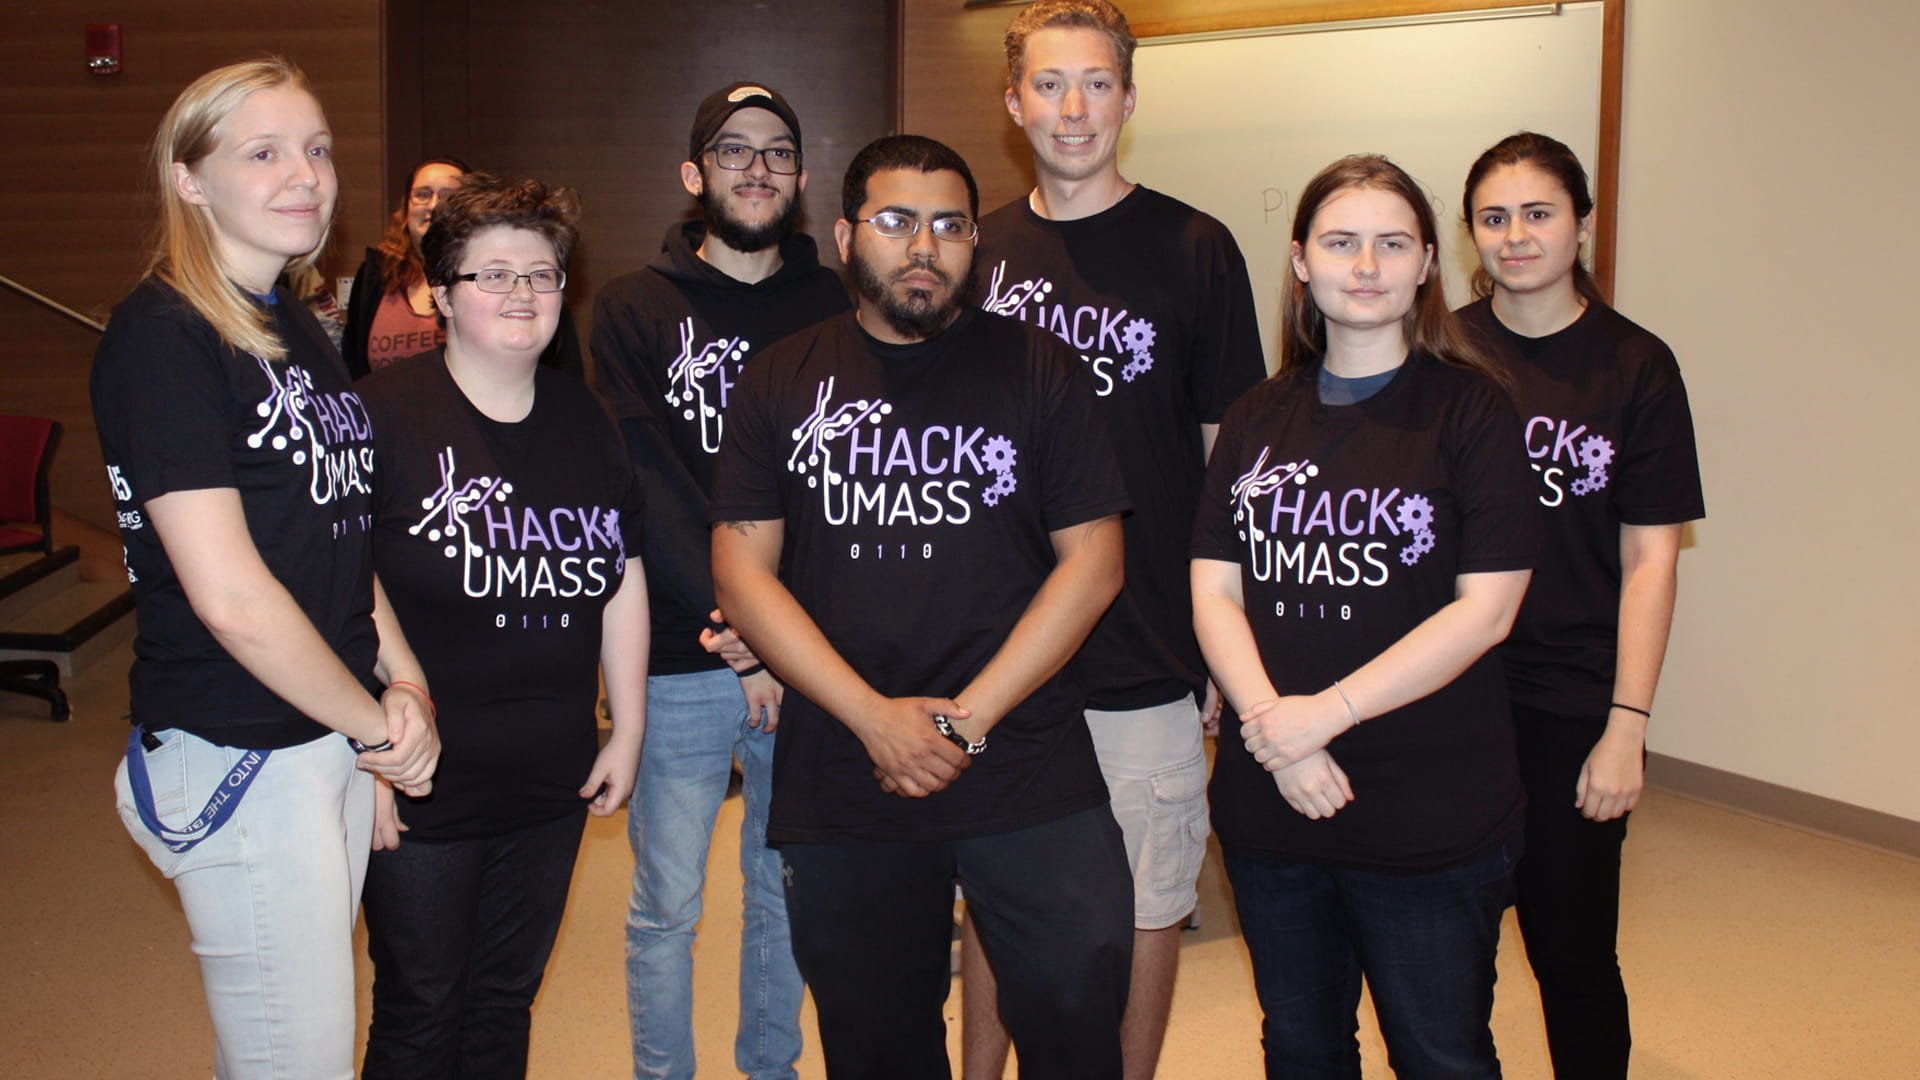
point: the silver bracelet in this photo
(1351, 711)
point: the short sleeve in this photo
(1227, 358)
(163, 398)
(1658, 474)
(1499, 513)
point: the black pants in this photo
(459, 934)
(1568, 899)
(873, 925)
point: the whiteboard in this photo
(1237, 125)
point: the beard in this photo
(738, 235)
(918, 315)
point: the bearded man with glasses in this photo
(669, 342)
(919, 522)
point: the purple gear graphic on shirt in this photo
(998, 454)
(1422, 543)
(1415, 514)
(1590, 483)
(1596, 453)
(1138, 337)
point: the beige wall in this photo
(1768, 233)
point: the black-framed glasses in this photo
(496, 280)
(897, 226)
(781, 160)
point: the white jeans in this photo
(270, 898)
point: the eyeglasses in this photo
(505, 281)
(425, 195)
(896, 226)
(781, 160)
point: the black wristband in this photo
(1631, 709)
(752, 671)
(362, 748)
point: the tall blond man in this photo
(1154, 296)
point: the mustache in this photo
(919, 266)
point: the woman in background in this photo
(504, 515)
(1364, 538)
(242, 470)
(390, 313)
(1611, 439)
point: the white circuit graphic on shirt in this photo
(700, 377)
(1100, 333)
(1332, 538)
(867, 474)
(294, 417)
(519, 552)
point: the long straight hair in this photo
(1556, 159)
(1429, 326)
(185, 252)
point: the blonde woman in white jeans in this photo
(269, 683)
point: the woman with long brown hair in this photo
(1364, 538)
(1610, 436)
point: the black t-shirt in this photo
(499, 545)
(1155, 298)
(918, 486)
(180, 410)
(1350, 524)
(669, 342)
(1608, 430)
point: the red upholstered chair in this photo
(26, 454)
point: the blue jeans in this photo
(459, 933)
(1424, 942)
(696, 726)
(271, 897)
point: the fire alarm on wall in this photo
(103, 48)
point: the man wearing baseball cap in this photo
(669, 342)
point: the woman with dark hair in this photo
(1363, 541)
(1611, 439)
(504, 516)
(390, 310)
(242, 469)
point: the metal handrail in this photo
(96, 324)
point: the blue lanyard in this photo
(220, 806)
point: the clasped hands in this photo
(1288, 736)
(409, 763)
(910, 757)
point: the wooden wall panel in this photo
(599, 94)
(76, 209)
(953, 87)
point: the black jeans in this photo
(873, 925)
(459, 934)
(1568, 900)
